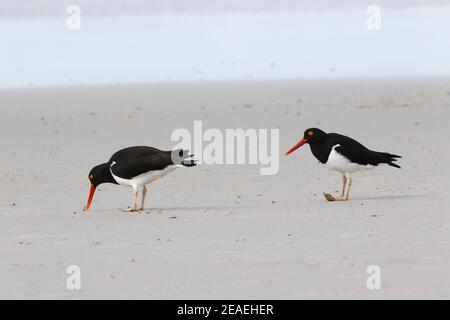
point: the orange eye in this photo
(310, 133)
(91, 177)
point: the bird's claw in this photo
(132, 210)
(330, 197)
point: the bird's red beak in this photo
(91, 196)
(298, 145)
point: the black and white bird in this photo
(136, 167)
(343, 154)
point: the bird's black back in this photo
(351, 149)
(134, 161)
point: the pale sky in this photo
(271, 44)
(10, 9)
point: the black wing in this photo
(357, 153)
(134, 161)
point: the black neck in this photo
(104, 174)
(321, 149)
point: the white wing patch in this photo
(338, 162)
(145, 178)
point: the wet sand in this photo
(219, 231)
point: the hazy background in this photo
(123, 42)
(53, 8)
(224, 231)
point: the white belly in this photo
(145, 178)
(338, 162)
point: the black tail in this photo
(389, 159)
(189, 162)
(184, 158)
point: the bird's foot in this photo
(129, 210)
(140, 208)
(330, 197)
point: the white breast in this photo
(145, 178)
(338, 162)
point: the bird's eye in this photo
(91, 177)
(310, 133)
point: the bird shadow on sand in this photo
(196, 208)
(393, 197)
(181, 208)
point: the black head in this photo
(311, 136)
(98, 175)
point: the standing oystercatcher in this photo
(136, 167)
(343, 154)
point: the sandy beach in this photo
(225, 231)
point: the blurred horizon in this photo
(37, 9)
(217, 40)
